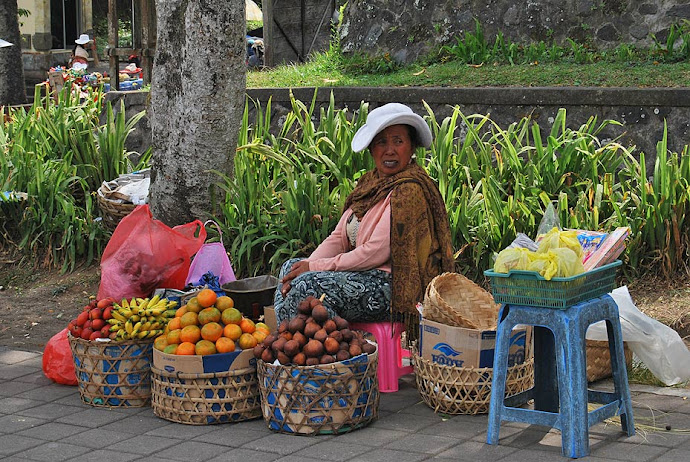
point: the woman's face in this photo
(392, 149)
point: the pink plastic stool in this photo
(391, 352)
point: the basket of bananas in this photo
(113, 364)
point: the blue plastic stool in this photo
(560, 373)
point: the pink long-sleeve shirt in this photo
(373, 246)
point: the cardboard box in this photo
(462, 347)
(270, 318)
(219, 362)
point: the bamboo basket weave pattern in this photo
(324, 399)
(205, 398)
(114, 206)
(113, 374)
(599, 359)
(454, 300)
(465, 390)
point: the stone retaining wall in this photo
(641, 111)
(408, 29)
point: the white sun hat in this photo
(83, 39)
(385, 116)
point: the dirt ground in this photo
(36, 304)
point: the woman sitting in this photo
(79, 59)
(392, 238)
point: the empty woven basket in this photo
(454, 300)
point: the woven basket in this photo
(599, 359)
(113, 374)
(325, 399)
(454, 300)
(114, 206)
(206, 398)
(465, 390)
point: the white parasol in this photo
(253, 11)
(4, 43)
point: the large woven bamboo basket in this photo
(599, 359)
(205, 398)
(114, 205)
(465, 390)
(324, 399)
(113, 374)
(454, 300)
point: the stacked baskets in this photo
(454, 300)
(113, 374)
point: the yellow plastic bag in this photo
(515, 258)
(565, 263)
(556, 239)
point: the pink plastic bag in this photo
(58, 364)
(144, 254)
(211, 257)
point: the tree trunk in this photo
(12, 90)
(197, 100)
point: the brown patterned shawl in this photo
(421, 245)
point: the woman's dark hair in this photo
(414, 137)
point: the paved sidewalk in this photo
(43, 421)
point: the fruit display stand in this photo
(465, 390)
(203, 390)
(113, 373)
(322, 399)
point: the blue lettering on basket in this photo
(433, 330)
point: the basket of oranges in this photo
(204, 371)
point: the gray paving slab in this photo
(388, 455)
(92, 417)
(147, 445)
(106, 455)
(50, 411)
(12, 404)
(51, 431)
(427, 444)
(232, 435)
(16, 356)
(49, 392)
(193, 451)
(333, 450)
(11, 388)
(245, 455)
(629, 452)
(95, 438)
(12, 444)
(136, 424)
(54, 451)
(284, 444)
(476, 452)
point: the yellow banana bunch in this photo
(141, 318)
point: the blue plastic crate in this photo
(529, 288)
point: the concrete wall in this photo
(408, 29)
(642, 111)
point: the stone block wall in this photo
(409, 29)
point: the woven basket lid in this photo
(455, 300)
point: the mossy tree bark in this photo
(12, 89)
(197, 100)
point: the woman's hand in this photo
(298, 268)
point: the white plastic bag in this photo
(658, 346)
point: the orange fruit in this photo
(211, 331)
(190, 334)
(232, 331)
(207, 315)
(224, 302)
(247, 341)
(185, 348)
(206, 298)
(193, 305)
(189, 319)
(170, 349)
(205, 347)
(264, 326)
(225, 345)
(160, 343)
(247, 325)
(180, 311)
(173, 337)
(231, 316)
(174, 324)
(260, 335)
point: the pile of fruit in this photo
(208, 324)
(138, 318)
(312, 338)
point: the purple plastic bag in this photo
(211, 257)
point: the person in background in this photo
(392, 238)
(79, 59)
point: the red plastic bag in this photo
(58, 364)
(144, 254)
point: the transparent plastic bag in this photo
(549, 221)
(658, 346)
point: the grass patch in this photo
(323, 71)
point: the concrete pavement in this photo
(43, 421)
